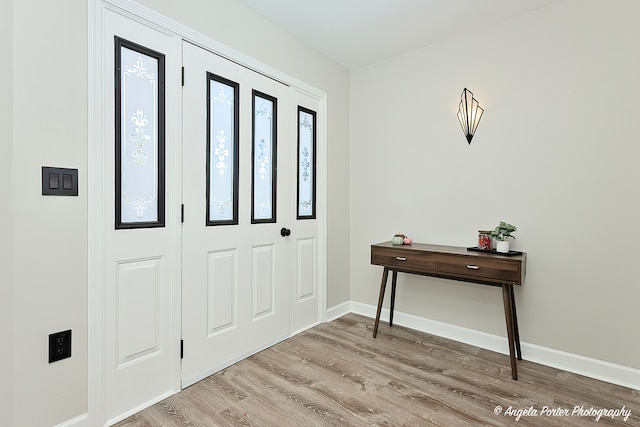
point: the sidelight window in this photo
(140, 136)
(263, 188)
(222, 150)
(306, 164)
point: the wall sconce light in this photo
(469, 114)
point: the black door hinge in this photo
(182, 213)
(181, 349)
(182, 76)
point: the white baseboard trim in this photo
(589, 367)
(79, 421)
(338, 311)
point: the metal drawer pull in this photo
(473, 267)
(401, 258)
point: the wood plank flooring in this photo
(336, 374)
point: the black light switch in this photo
(59, 181)
(67, 181)
(54, 181)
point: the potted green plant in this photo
(502, 233)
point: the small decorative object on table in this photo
(501, 233)
(398, 239)
(484, 240)
(401, 239)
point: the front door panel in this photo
(237, 136)
(306, 289)
(139, 356)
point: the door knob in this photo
(284, 232)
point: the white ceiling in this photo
(359, 32)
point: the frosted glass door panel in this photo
(139, 136)
(306, 163)
(222, 151)
(263, 207)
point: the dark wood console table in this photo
(452, 262)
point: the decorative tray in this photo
(493, 251)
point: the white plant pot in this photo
(502, 246)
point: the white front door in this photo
(238, 152)
(307, 301)
(236, 283)
(138, 218)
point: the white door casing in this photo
(235, 276)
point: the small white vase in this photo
(502, 246)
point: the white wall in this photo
(50, 246)
(231, 23)
(6, 212)
(556, 154)
(48, 113)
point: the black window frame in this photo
(161, 132)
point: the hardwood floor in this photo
(337, 374)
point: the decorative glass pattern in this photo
(263, 189)
(222, 151)
(306, 163)
(140, 132)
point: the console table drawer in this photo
(404, 259)
(480, 268)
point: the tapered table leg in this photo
(516, 332)
(394, 278)
(508, 314)
(383, 285)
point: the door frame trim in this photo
(96, 10)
